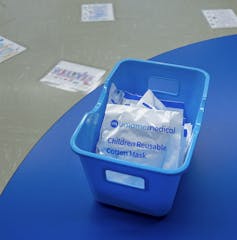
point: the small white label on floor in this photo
(221, 18)
(9, 49)
(97, 12)
(73, 77)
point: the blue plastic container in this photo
(157, 187)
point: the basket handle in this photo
(125, 179)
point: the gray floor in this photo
(52, 31)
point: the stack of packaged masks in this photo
(144, 130)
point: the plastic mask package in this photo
(142, 135)
(149, 100)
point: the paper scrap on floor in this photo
(97, 12)
(9, 49)
(73, 77)
(220, 18)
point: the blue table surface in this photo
(49, 197)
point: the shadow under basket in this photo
(155, 192)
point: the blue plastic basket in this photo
(157, 187)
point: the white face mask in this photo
(142, 135)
